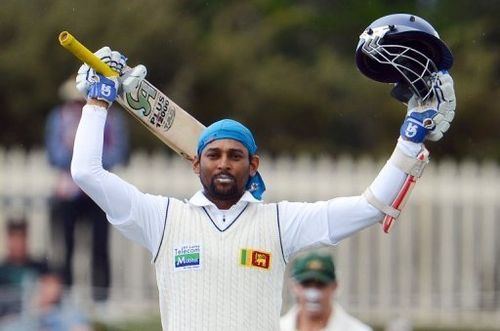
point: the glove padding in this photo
(94, 85)
(429, 120)
(103, 88)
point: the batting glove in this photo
(430, 119)
(103, 88)
(93, 85)
(133, 77)
(418, 125)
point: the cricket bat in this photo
(158, 113)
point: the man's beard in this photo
(222, 194)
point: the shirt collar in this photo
(200, 200)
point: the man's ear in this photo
(196, 165)
(254, 164)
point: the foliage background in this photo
(285, 68)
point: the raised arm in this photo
(327, 222)
(138, 216)
(111, 193)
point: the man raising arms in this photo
(220, 257)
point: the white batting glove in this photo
(87, 76)
(133, 77)
(128, 79)
(441, 106)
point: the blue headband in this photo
(230, 129)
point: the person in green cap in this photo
(314, 284)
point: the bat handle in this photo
(68, 41)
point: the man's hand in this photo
(429, 120)
(95, 86)
(103, 89)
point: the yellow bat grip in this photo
(68, 41)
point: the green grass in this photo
(147, 324)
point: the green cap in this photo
(314, 266)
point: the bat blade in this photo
(164, 118)
(159, 114)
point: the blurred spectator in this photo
(49, 311)
(18, 271)
(69, 203)
(314, 284)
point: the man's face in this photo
(314, 297)
(17, 246)
(224, 167)
(50, 290)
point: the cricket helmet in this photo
(403, 49)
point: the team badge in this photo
(315, 265)
(255, 259)
(187, 257)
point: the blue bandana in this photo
(230, 129)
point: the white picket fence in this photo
(438, 266)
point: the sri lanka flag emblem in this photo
(254, 258)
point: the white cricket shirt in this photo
(271, 229)
(141, 217)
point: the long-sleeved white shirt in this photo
(141, 217)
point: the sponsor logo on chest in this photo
(187, 257)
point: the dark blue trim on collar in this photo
(234, 221)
